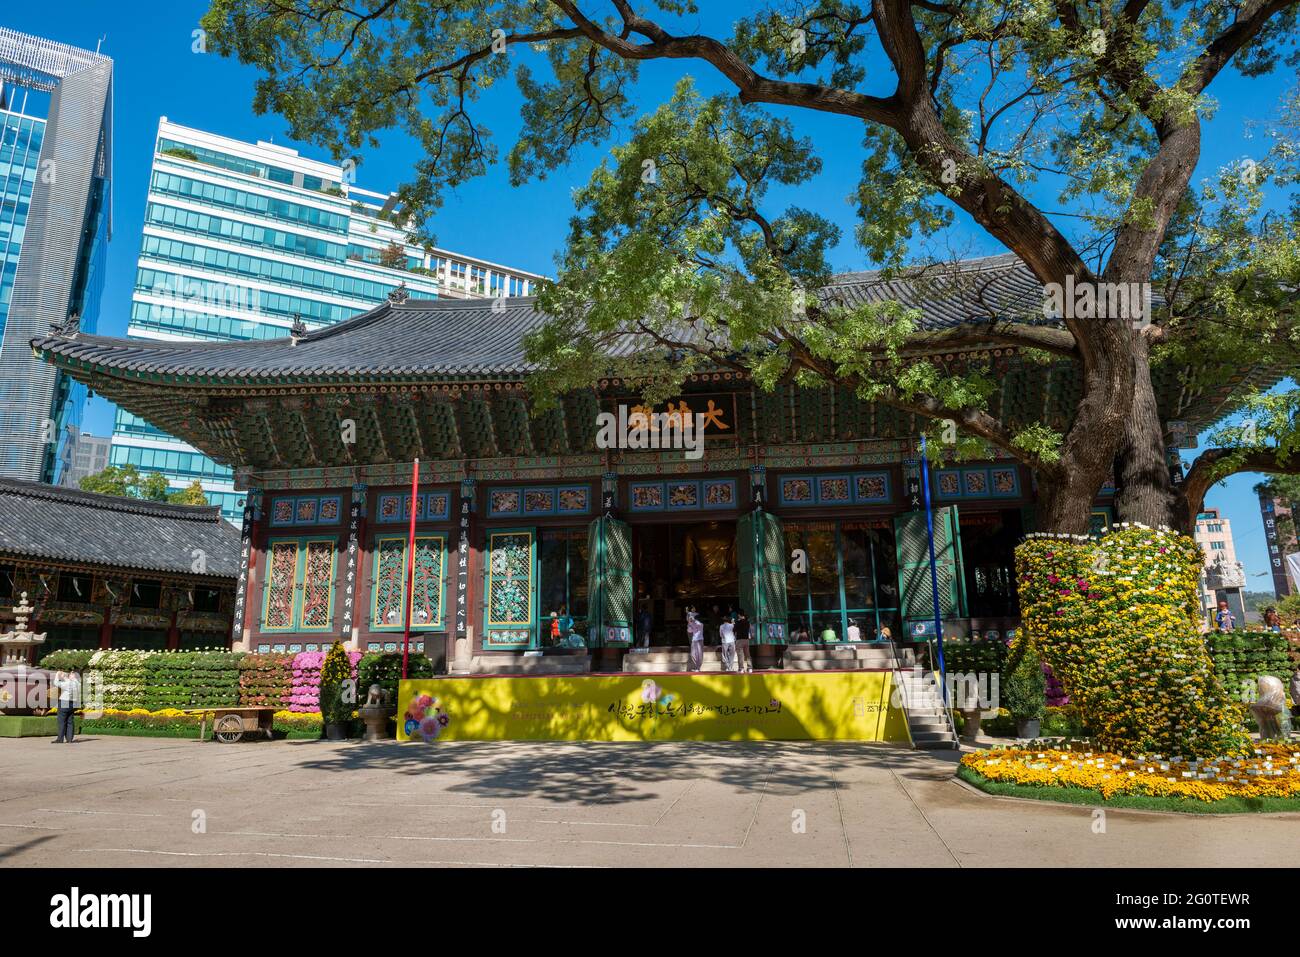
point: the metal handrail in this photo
(897, 678)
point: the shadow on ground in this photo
(597, 772)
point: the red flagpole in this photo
(410, 569)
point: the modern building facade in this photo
(1224, 577)
(83, 455)
(56, 109)
(244, 241)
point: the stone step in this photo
(829, 664)
(540, 665)
(926, 721)
(939, 739)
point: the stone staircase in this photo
(546, 664)
(923, 701)
(671, 658)
(854, 656)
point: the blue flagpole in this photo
(934, 572)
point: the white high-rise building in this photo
(1223, 577)
(242, 240)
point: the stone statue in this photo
(1270, 709)
(375, 697)
(708, 562)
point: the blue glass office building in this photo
(240, 241)
(56, 107)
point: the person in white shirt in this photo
(855, 634)
(695, 631)
(68, 686)
(727, 635)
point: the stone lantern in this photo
(16, 643)
(22, 688)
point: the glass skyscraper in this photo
(56, 107)
(241, 241)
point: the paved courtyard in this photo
(117, 801)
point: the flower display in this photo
(1117, 619)
(1269, 770)
(266, 679)
(424, 717)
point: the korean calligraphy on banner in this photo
(354, 533)
(251, 504)
(1281, 587)
(462, 558)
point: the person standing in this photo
(1271, 620)
(743, 661)
(695, 631)
(1223, 620)
(727, 639)
(1295, 693)
(645, 622)
(68, 686)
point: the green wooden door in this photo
(609, 583)
(510, 589)
(760, 555)
(913, 552)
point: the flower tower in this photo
(1117, 619)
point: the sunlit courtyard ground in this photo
(124, 802)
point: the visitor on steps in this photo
(695, 631)
(855, 633)
(68, 686)
(743, 661)
(645, 622)
(727, 638)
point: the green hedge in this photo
(384, 668)
(1241, 657)
(192, 679)
(68, 659)
(974, 657)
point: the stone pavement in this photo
(124, 802)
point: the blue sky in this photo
(157, 74)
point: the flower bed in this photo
(174, 723)
(304, 695)
(191, 679)
(1267, 771)
(266, 679)
(121, 676)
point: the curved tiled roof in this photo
(70, 525)
(453, 337)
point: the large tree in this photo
(1068, 131)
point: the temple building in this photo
(804, 507)
(103, 571)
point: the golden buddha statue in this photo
(708, 562)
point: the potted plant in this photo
(1024, 693)
(337, 693)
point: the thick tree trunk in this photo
(1143, 489)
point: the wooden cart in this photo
(231, 724)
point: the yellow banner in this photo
(769, 706)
